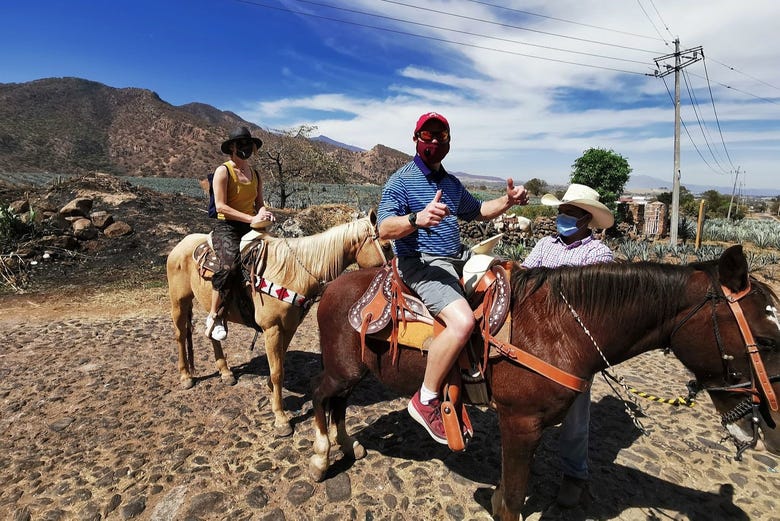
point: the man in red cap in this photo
(419, 211)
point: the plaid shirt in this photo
(552, 252)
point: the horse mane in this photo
(295, 262)
(621, 289)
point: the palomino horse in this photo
(577, 319)
(302, 265)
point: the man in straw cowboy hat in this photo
(579, 211)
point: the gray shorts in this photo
(435, 279)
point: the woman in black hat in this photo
(238, 197)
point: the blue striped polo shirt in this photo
(410, 189)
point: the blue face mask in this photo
(567, 225)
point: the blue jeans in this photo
(573, 438)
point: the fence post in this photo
(700, 225)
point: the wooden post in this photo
(700, 225)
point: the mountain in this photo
(77, 126)
(329, 141)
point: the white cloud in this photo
(506, 112)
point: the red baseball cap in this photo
(429, 116)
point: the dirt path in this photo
(94, 426)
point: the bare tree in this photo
(292, 161)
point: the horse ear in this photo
(372, 216)
(733, 269)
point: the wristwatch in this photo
(413, 220)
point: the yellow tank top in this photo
(240, 196)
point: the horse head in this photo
(739, 315)
(372, 251)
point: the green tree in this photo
(536, 186)
(688, 205)
(603, 170)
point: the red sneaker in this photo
(429, 416)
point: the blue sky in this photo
(527, 85)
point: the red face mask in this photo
(431, 152)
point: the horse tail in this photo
(190, 357)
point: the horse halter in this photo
(760, 383)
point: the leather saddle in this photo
(253, 258)
(390, 311)
(388, 300)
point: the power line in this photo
(709, 86)
(688, 133)
(651, 21)
(661, 18)
(745, 74)
(434, 38)
(737, 90)
(469, 33)
(520, 11)
(702, 126)
(473, 19)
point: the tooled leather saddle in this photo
(390, 311)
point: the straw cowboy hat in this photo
(238, 134)
(586, 198)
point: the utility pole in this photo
(690, 56)
(733, 190)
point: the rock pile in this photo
(70, 227)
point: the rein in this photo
(606, 374)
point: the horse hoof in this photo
(317, 469)
(229, 379)
(187, 383)
(283, 431)
(358, 451)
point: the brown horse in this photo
(563, 316)
(302, 265)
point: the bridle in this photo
(373, 236)
(760, 384)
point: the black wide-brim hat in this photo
(237, 135)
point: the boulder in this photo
(80, 206)
(118, 229)
(84, 230)
(101, 219)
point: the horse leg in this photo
(329, 402)
(227, 376)
(519, 439)
(181, 313)
(276, 344)
(350, 446)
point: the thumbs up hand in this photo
(433, 213)
(515, 194)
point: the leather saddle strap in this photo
(201, 262)
(755, 356)
(484, 313)
(363, 328)
(568, 380)
(398, 306)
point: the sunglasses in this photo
(244, 143)
(426, 135)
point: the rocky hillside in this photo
(76, 126)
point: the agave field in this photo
(761, 238)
